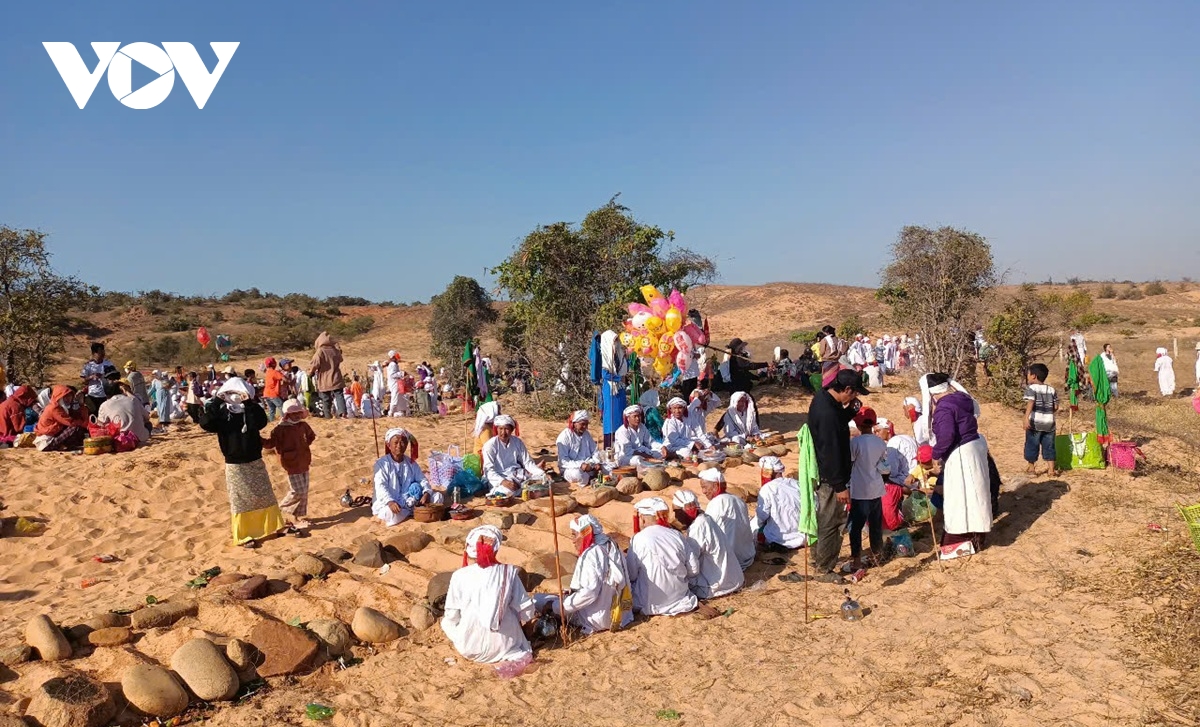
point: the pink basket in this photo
(1124, 455)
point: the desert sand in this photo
(1039, 628)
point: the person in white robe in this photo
(702, 402)
(400, 485)
(599, 581)
(857, 352)
(683, 434)
(905, 445)
(1165, 368)
(1198, 366)
(370, 407)
(730, 514)
(777, 513)
(378, 383)
(631, 442)
(398, 406)
(660, 564)
(740, 423)
(351, 409)
(920, 425)
(507, 465)
(578, 458)
(720, 573)
(486, 604)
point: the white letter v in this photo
(80, 81)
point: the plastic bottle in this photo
(514, 668)
(851, 611)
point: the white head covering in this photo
(1161, 351)
(485, 414)
(631, 409)
(504, 420)
(395, 432)
(683, 498)
(712, 474)
(770, 464)
(44, 398)
(583, 522)
(882, 423)
(580, 416)
(913, 402)
(491, 532)
(743, 419)
(240, 389)
(391, 354)
(777, 351)
(651, 506)
(927, 398)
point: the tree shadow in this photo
(1022, 507)
(16, 595)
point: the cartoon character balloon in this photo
(661, 332)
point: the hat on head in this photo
(580, 416)
(848, 379)
(631, 410)
(683, 498)
(712, 474)
(651, 506)
(131, 365)
(270, 361)
(491, 532)
(504, 420)
(293, 406)
(865, 419)
(229, 370)
(924, 454)
(770, 464)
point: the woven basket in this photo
(429, 513)
(98, 445)
(465, 514)
(1191, 516)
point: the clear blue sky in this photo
(377, 149)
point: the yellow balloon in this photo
(649, 292)
(663, 366)
(644, 346)
(654, 324)
(674, 320)
(626, 339)
(666, 347)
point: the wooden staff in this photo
(807, 547)
(562, 614)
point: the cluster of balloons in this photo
(660, 332)
(224, 343)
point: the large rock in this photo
(115, 636)
(310, 565)
(251, 589)
(675, 473)
(436, 589)
(498, 519)
(286, 649)
(78, 634)
(336, 555)
(71, 700)
(450, 535)
(421, 616)
(629, 486)
(13, 655)
(563, 504)
(656, 479)
(333, 636)
(595, 496)
(244, 658)
(162, 614)
(153, 691)
(203, 668)
(409, 542)
(370, 554)
(43, 635)
(226, 579)
(524, 518)
(106, 621)
(543, 565)
(373, 627)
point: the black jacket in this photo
(829, 423)
(238, 447)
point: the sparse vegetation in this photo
(1155, 288)
(460, 313)
(1131, 293)
(1106, 292)
(851, 327)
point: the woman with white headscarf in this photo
(631, 443)
(576, 449)
(963, 456)
(484, 416)
(740, 423)
(486, 603)
(400, 485)
(1165, 368)
(600, 584)
(237, 420)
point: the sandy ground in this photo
(1023, 633)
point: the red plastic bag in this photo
(126, 441)
(109, 429)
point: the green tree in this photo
(937, 285)
(34, 303)
(566, 282)
(1025, 330)
(460, 313)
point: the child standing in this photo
(291, 439)
(1041, 403)
(867, 453)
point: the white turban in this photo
(882, 423)
(770, 464)
(236, 392)
(396, 432)
(391, 354)
(491, 532)
(712, 474)
(913, 402)
(676, 401)
(504, 420)
(583, 522)
(484, 416)
(580, 416)
(683, 498)
(651, 506)
(631, 409)
(1161, 351)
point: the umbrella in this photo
(1103, 393)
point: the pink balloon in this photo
(639, 320)
(683, 342)
(676, 299)
(695, 334)
(635, 308)
(660, 306)
(683, 360)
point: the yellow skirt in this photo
(255, 511)
(257, 524)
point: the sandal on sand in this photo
(706, 611)
(251, 545)
(793, 577)
(830, 577)
(295, 532)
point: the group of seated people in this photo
(56, 419)
(684, 431)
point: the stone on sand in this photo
(436, 589)
(543, 565)
(310, 565)
(13, 655)
(595, 496)
(153, 691)
(115, 636)
(412, 541)
(162, 614)
(450, 535)
(655, 479)
(226, 579)
(421, 616)
(286, 649)
(244, 658)
(252, 588)
(563, 504)
(524, 518)
(629, 486)
(50, 643)
(71, 699)
(498, 518)
(336, 555)
(333, 636)
(106, 621)
(203, 668)
(373, 627)
(370, 554)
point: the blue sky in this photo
(377, 149)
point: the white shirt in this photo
(741, 426)
(394, 376)
(629, 443)
(484, 611)
(1166, 375)
(730, 514)
(400, 482)
(778, 513)
(600, 575)
(866, 453)
(1110, 364)
(660, 566)
(921, 430)
(574, 449)
(508, 462)
(720, 573)
(907, 446)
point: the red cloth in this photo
(12, 411)
(892, 497)
(55, 419)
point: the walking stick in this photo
(374, 428)
(562, 615)
(806, 556)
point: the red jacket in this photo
(292, 442)
(12, 411)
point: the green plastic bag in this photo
(472, 464)
(917, 508)
(318, 712)
(1078, 451)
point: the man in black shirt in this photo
(829, 417)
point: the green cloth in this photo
(635, 379)
(1074, 381)
(1103, 393)
(806, 477)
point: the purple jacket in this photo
(953, 424)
